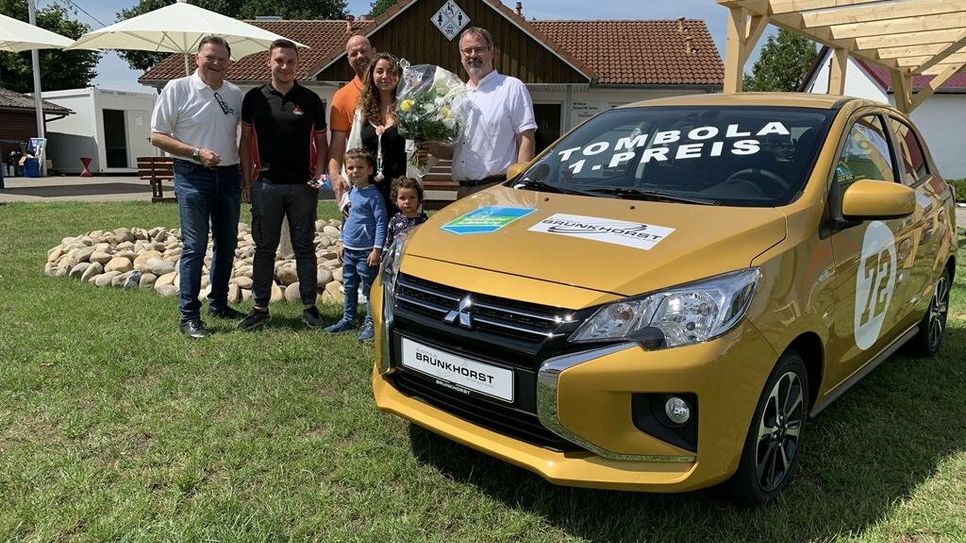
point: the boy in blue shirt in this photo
(360, 245)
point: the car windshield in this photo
(734, 156)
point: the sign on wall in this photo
(450, 19)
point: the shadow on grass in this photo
(863, 455)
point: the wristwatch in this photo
(196, 154)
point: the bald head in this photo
(358, 52)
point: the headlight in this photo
(687, 314)
(391, 262)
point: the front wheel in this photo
(933, 324)
(773, 443)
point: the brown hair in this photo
(282, 43)
(369, 97)
(481, 32)
(405, 183)
(359, 154)
(217, 40)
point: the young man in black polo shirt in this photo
(283, 148)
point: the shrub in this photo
(960, 186)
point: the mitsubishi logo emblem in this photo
(462, 312)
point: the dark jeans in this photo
(206, 194)
(355, 268)
(270, 204)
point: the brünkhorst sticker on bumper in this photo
(630, 234)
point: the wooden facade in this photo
(412, 35)
(19, 125)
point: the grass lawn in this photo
(115, 427)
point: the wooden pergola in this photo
(907, 37)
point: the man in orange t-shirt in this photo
(358, 52)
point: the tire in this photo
(771, 450)
(932, 327)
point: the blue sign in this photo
(486, 220)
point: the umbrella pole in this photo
(186, 65)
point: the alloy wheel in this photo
(778, 431)
(938, 309)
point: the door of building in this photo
(548, 124)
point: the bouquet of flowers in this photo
(429, 107)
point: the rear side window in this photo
(912, 159)
(866, 154)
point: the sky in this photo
(114, 73)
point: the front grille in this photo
(489, 414)
(520, 321)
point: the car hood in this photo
(618, 246)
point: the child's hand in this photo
(338, 251)
(374, 257)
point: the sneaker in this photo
(343, 325)
(226, 313)
(311, 317)
(194, 328)
(367, 334)
(254, 319)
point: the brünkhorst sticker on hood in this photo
(628, 234)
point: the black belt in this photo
(484, 181)
(192, 162)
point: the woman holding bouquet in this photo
(380, 135)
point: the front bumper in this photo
(590, 405)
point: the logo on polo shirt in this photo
(297, 110)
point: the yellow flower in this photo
(406, 105)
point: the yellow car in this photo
(661, 299)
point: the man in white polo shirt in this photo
(500, 121)
(196, 121)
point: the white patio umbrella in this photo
(177, 29)
(17, 36)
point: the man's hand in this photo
(374, 257)
(209, 158)
(246, 192)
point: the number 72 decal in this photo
(875, 283)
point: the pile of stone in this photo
(140, 258)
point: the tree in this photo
(783, 64)
(58, 69)
(239, 9)
(378, 7)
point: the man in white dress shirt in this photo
(500, 122)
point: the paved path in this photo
(77, 189)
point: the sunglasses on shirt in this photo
(228, 110)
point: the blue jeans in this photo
(355, 268)
(206, 194)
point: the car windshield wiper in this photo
(546, 187)
(652, 195)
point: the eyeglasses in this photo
(474, 50)
(228, 110)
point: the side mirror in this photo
(516, 169)
(870, 199)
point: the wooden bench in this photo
(156, 170)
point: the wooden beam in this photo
(938, 69)
(880, 12)
(788, 6)
(947, 21)
(911, 39)
(934, 85)
(837, 70)
(902, 90)
(913, 62)
(743, 33)
(942, 56)
(755, 7)
(912, 50)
